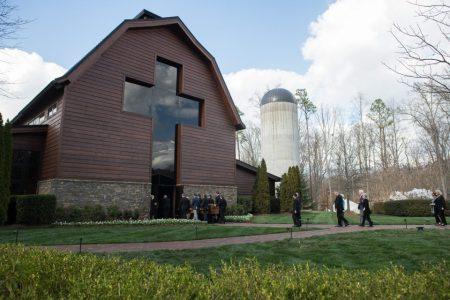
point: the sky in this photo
(334, 49)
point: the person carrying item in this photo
(339, 206)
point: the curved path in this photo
(207, 243)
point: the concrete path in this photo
(196, 244)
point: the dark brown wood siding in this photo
(51, 151)
(244, 181)
(100, 141)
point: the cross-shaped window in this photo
(162, 103)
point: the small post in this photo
(291, 232)
(81, 241)
(17, 236)
(406, 223)
(196, 232)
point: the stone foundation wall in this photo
(229, 192)
(72, 192)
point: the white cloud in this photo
(25, 74)
(347, 47)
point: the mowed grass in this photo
(124, 234)
(370, 250)
(320, 217)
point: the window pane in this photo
(136, 98)
(166, 76)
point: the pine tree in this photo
(304, 190)
(5, 169)
(255, 190)
(261, 196)
(284, 204)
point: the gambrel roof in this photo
(144, 19)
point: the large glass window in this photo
(167, 109)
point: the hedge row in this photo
(95, 213)
(35, 209)
(33, 273)
(404, 208)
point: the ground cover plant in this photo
(370, 250)
(124, 234)
(322, 217)
(43, 274)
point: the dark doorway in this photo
(25, 172)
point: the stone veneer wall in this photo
(73, 192)
(229, 192)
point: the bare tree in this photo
(422, 59)
(250, 144)
(427, 111)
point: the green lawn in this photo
(319, 217)
(370, 250)
(123, 234)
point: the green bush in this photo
(114, 212)
(136, 214)
(235, 210)
(34, 273)
(408, 208)
(246, 202)
(378, 208)
(36, 209)
(12, 211)
(274, 205)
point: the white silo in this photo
(279, 131)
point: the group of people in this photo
(363, 206)
(339, 205)
(439, 208)
(204, 208)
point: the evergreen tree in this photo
(284, 201)
(261, 195)
(304, 190)
(255, 190)
(5, 168)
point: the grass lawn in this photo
(363, 250)
(320, 217)
(123, 234)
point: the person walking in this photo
(204, 207)
(439, 208)
(339, 206)
(196, 205)
(366, 211)
(296, 210)
(211, 204)
(361, 206)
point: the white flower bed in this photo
(239, 219)
(133, 222)
(412, 194)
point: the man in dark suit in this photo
(222, 203)
(185, 204)
(166, 206)
(296, 210)
(339, 206)
(439, 208)
(154, 205)
(366, 211)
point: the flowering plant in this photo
(133, 222)
(239, 219)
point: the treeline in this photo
(5, 167)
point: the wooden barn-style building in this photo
(146, 111)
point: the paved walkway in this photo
(196, 244)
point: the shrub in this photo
(261, 196)
(127, 214)
(132, 222)
(274, 205)
(34, 273)
(114, 213)
(36, 209)
(408, 208)
(12, 211)
(136, 214)
(246, 202)
(378, 208)
(236, 210)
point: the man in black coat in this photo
(185, 204)
(339, 206)
(439, 208)
(296, 210)
(154, 205)
(166, 206)
(366, 211)
(222, 203)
